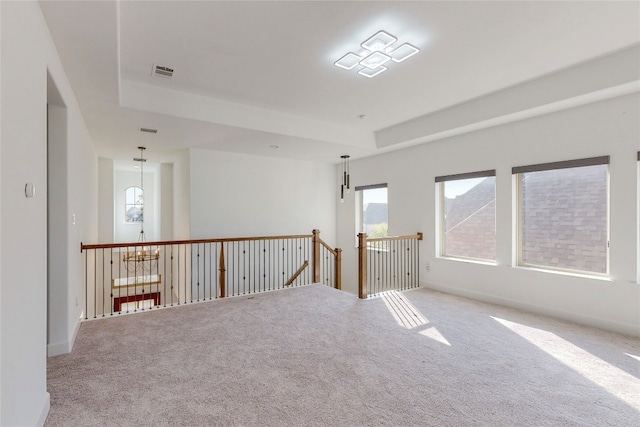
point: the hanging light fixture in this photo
(135, 260)
(345, 176)
(141, 160)
(377, 50)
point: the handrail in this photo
(329, 248)
(297, 273)
(393, 265)
(337, 254)
(417, 236)
(166, 273)
(192, 241)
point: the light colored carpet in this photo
(316, 356)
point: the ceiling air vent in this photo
(162, 71)
(148, 130)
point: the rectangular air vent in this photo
(162, 71)
(148, 130)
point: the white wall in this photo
(181, 196)
(236, 195)
(106, 206)
(609, 127)
(1, 227)
(166, 201)
(82, 205)
(57, 228)
(157, 202)
(130, 232)
(27, 52)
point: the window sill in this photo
(469, 260)
(601, 277)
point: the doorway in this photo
(57, 224)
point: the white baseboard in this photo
(58, 348)
(64, 347)
(623, 328)
(46, 405)
(74, 335)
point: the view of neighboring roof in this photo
(374, 213)
(564, 223)
(470, 222)
(465, 205)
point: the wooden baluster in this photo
(175, 277)
(297, 273)
(316, 256)
(362, 265)
(222, 272)
(338, 268)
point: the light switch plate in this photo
(29, 190)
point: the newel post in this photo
(222, 269)
(362, 265)
(316, 256)
(338, 267)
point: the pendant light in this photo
(345, 177)
(143, 259)
(141, 160)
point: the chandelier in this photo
(377, 50)
(143, 260)
(345, 177)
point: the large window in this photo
(468, 215)
(563, 211)
(133, 204)
(372, 214)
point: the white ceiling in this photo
(251, 75)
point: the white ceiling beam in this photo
(612, 75)
(156, 99)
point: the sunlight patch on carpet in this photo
(434, 334)
(614, 380)
(408, 316)
(633, 357)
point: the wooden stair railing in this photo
(388, 263)
(222, 271)
(183, 271)
(318, 244)
(297, 273)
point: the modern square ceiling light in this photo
(403, 52)
(377, 50)
(379, 41)
(375, 60)
(368, 72)
(349, 61)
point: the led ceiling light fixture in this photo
(367, 72)
(349, 61)
(379, 49)
(403, 52)
(379, 41)
(375, 60)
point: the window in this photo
(133, 204)
(563, 211)
(468, 215)
(372, 212)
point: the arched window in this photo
(133, 204)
